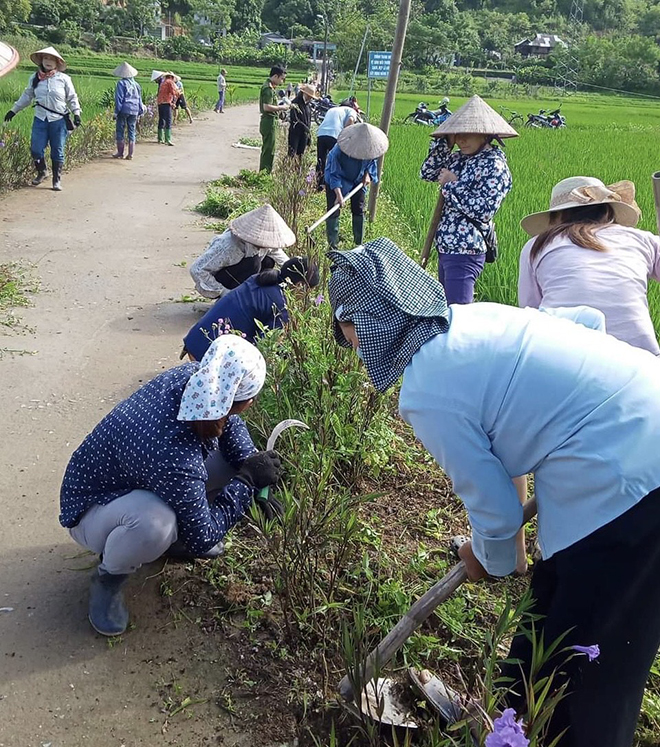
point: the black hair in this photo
(277, 70)
(296, 269)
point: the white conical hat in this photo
(475, 117)
(155, 74)
(263, 226)
(125, 71)
(36, 57)
(363, 141)
(8, 58)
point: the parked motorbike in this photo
(430, 117)
(321, 107)
(553, 120)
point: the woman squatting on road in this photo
(54, 95)
(494, 391)
(171, 468)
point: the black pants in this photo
(357, 201)
(231, 277)
(164, 117)
(324, 144)
(298, 141)
(605, 587)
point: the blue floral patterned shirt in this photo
(141, 445)
(484, 180)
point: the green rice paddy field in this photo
(607, 137)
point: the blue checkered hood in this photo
(395, 305)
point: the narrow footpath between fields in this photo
(108, 251)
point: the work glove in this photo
(269, 506)
(76, 120)
(260, 470)
(9, 116)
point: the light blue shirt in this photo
(506, 392)
(335, 120)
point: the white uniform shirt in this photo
(56, 93)
(222, 83)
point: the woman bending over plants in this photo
(494, 391)
(170, 469)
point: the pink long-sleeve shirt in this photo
(615, 281)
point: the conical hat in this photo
(475, 117)
(155, 74)
(36, 57)
(125, 71)
(263, 226)
(8, 58)
(363, 141)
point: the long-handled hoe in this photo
(365, 694)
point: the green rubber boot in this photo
(168, 136)
(358, 229)
(161, 138)
(332, 231)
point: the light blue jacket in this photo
(506, 392)
(128, 97)
(346, 172)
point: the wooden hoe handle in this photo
(416, 615)
(435, 222)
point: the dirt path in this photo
(106, 250)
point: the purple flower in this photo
(310, 176)
(319, 299)
(302, 192)
(593, 652)
(507, 732)
(2, 145)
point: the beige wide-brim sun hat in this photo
(263, 226)
(363, 141)
(475, 117)
(156, 74)
(309, 90)
(8, 58)
(125, 71)
(37, 56)
(581, 191)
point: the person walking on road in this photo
(350, 163)
(326, 136)
(128, 108)
(585, 246)
(169, 470)
(54, 95)
(252, 242)
(181, 102)
(473, 181)
(168, 94)
(269, 110)
(300, 121)
(222, 89)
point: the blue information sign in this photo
(379, 64)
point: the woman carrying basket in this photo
(54, 95)
(473, 182)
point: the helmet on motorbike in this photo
(444, 101)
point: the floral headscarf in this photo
(233, 370)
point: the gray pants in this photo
(139, 527)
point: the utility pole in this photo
(390, 93)
(324, 74)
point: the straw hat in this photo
(125, 71)
(475, 117)
(580, 191)
(37, 56)
(363, 141)
(8, 58)
(263, 226)
(156, 74)
(309, 90)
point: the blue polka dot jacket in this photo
(141, 445)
